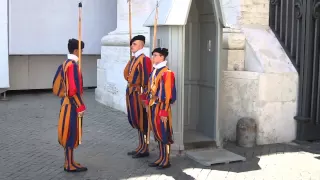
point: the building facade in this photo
(228, 62)
(34, 36)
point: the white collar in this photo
(160, 65)
(138, 53)
(73, 57)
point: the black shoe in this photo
(140, 155)
(131, 153)
(153, 164)
(82, 169)
(164, 167)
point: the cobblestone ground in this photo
(29, 149)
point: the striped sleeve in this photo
(126, 71)
(75, 86)
(146, 69)
(168, 93)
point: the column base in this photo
(121, 38)
(115, 53)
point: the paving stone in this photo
(29, 149)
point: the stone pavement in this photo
(29, 149)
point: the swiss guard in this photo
(136, 73)
(160, 95)
(68, 85)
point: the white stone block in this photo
(240, 92)
(243, 12)
(278, 87)
(232, 40)
(235, 60)
(275, 122)
(268, 98)
(240, 75)
(268, 53)
(101, 78)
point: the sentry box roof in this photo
(170, 12)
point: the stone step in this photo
(213, 156)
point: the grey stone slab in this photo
(192, 136)
(210, 157)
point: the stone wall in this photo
(233, 45)
(254, 12)
(245, 12)
(268, 98)
(260, 80)
(37, 71)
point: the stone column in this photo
(111, 85)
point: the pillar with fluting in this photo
(115, 53)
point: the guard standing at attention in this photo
(136, 73)
(160, 95)
(68, 84)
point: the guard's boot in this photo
(165, 163)
(70, 165)
(139, 147)
(160, 158)
(144, 151)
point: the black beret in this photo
(74, 43)
(163, 51)
(138, 37)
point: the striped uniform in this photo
(161, 94)
(71, 104)
(136, 73)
